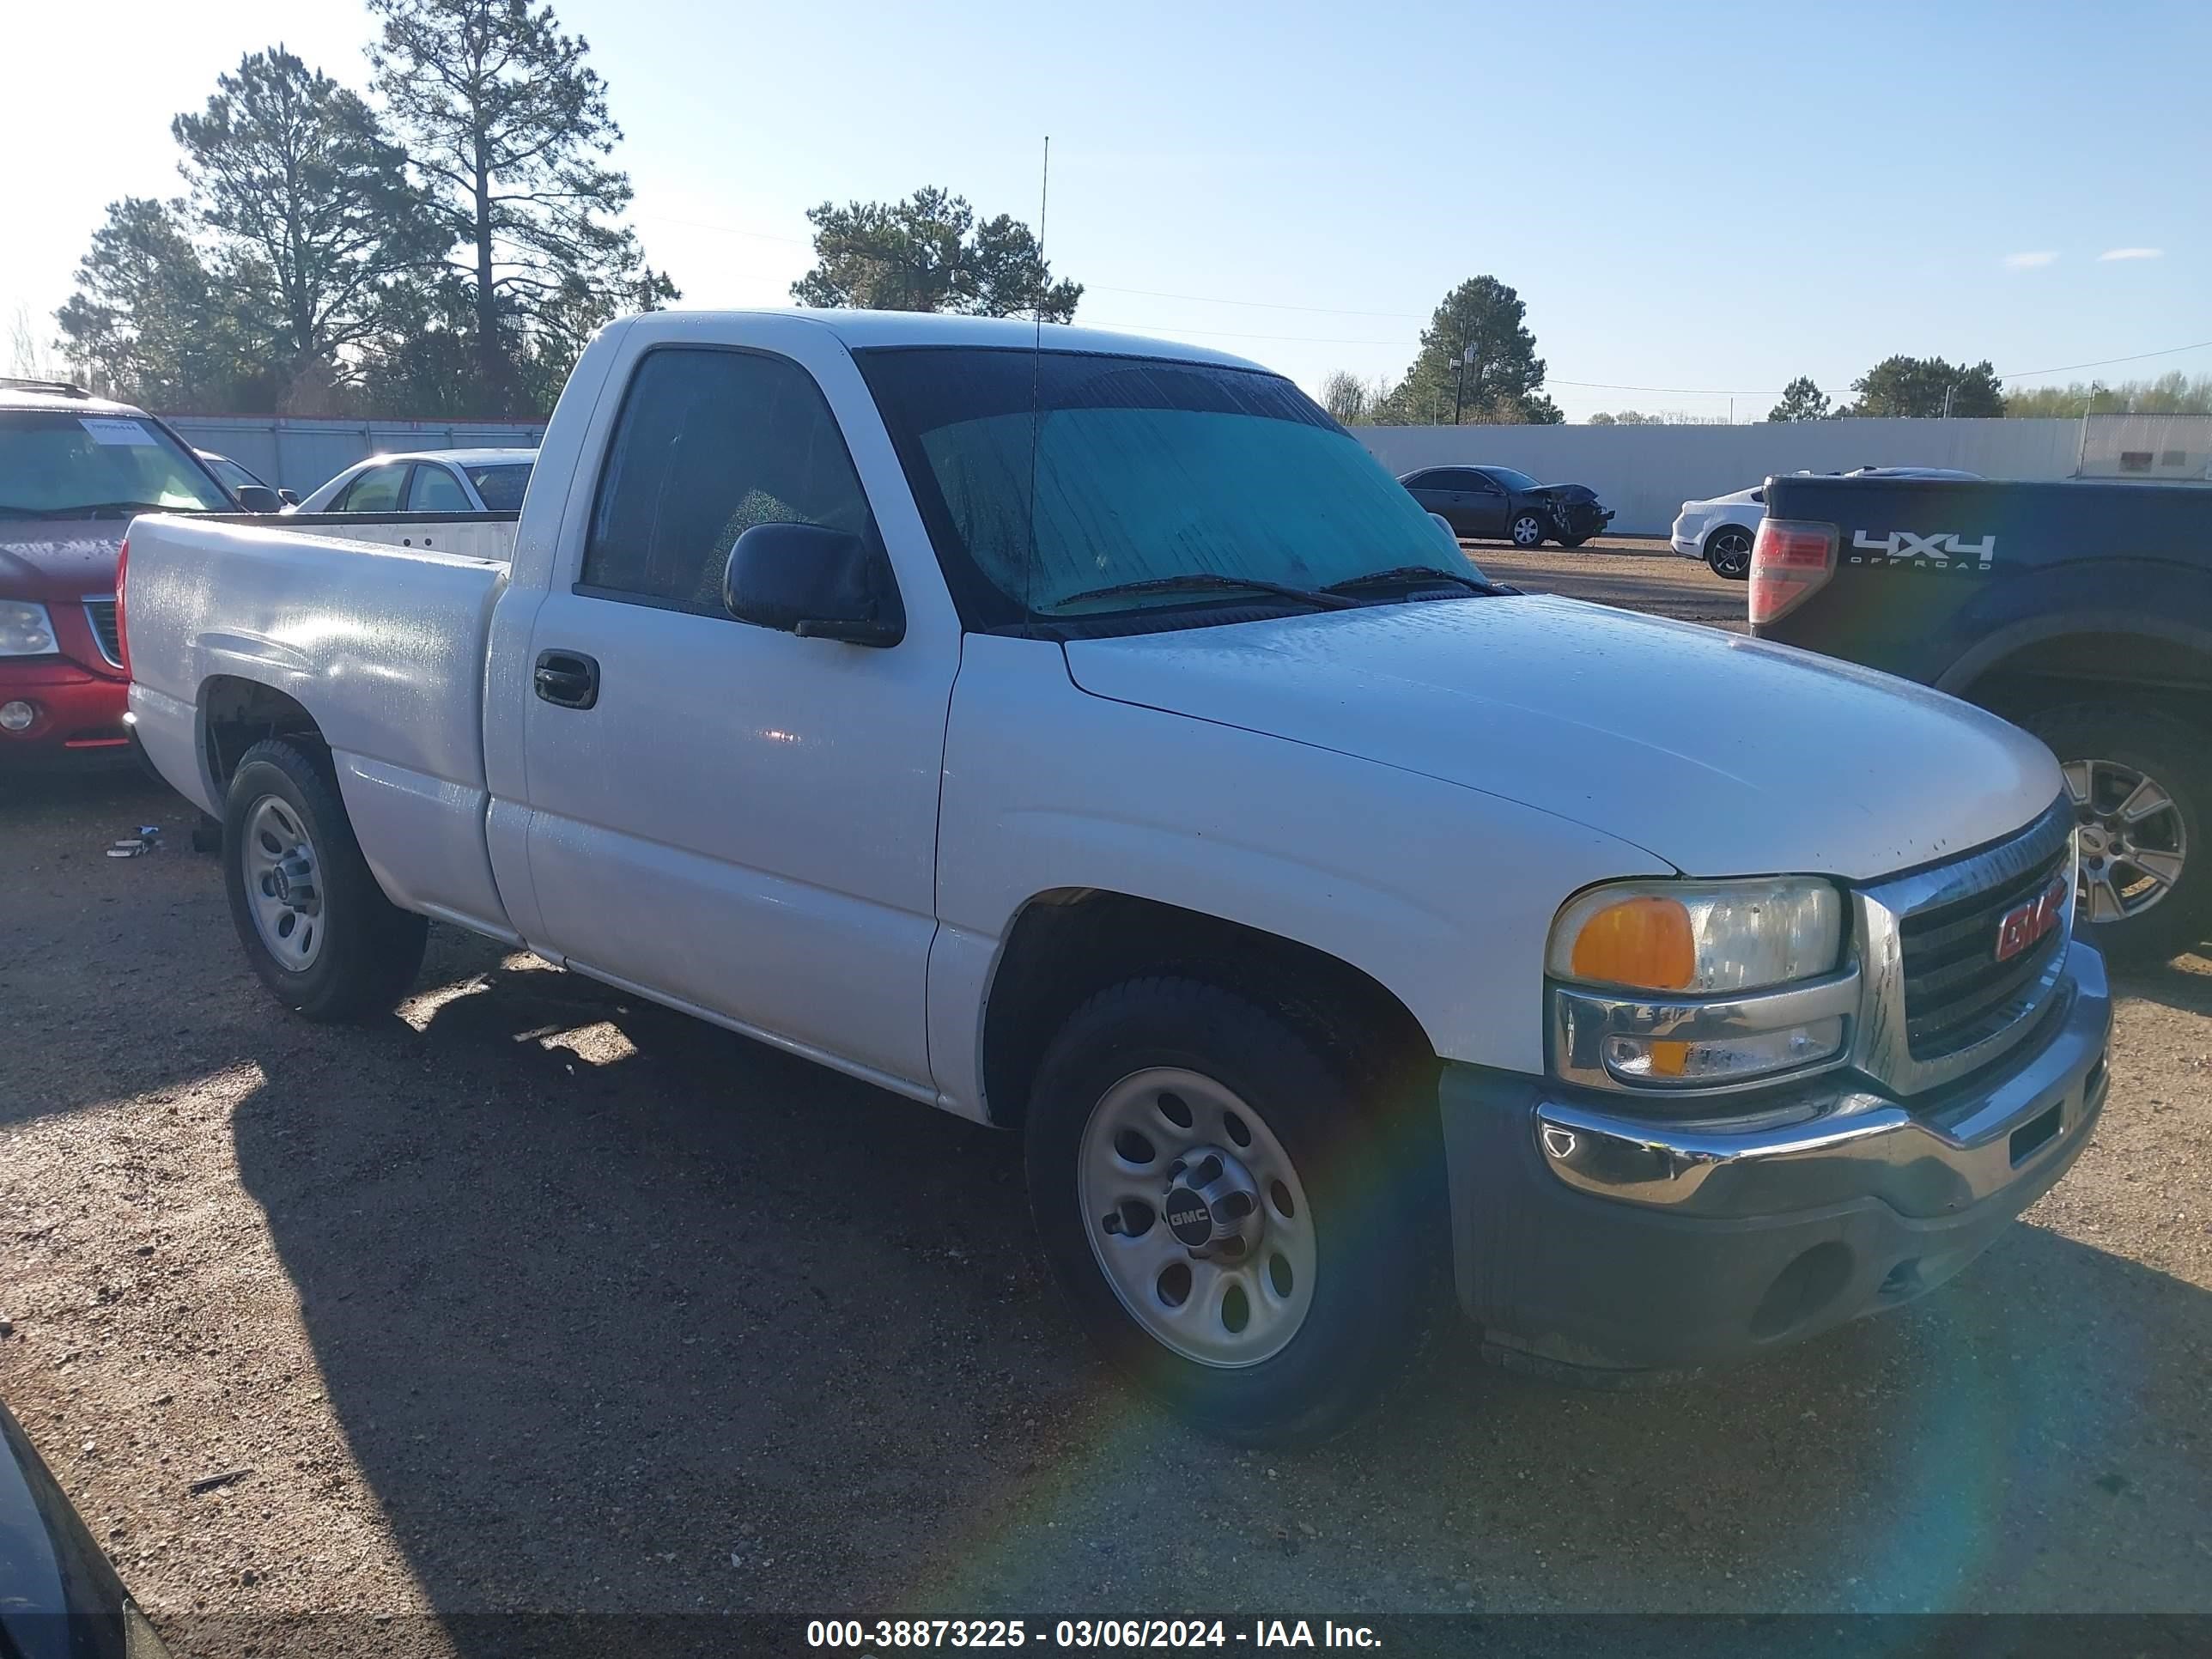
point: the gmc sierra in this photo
(1084, 735)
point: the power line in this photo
(1228, 334)
(1262, 305)
(1344, 311)
(2102, 362)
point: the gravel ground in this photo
(532, 1297)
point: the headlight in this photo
(1699, 938)
(26, 630)
(1699, 984)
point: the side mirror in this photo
(290, 497)
(813, 582)
(1444, 524)
(258, 498)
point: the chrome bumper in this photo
(1956, 1147)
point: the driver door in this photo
(727, 817)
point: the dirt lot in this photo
(532, 1298)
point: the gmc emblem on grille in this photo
(2024, 924)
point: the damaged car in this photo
(1497, 503)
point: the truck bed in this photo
(212, 603)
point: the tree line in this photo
(439, 248)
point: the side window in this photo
(436, 490)
(1482, 481)
(710, 443)
(1430, 480)
(376, 491)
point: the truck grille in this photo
(101, 613)
(1956, 993)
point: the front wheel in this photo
(1727, 552)
(316, 926)
(1527, 531)
(1215, 1202)
(2139, 784)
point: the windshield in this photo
(1145, 470)
(1510, 479)
(500, 487)
(53, 462)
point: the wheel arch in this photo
(1067, 944)
(235, 713)
(2050, 657)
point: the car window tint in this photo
(501, 487)
(710, 443)
(376, 491)
(437, 490)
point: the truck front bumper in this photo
(1584, 1237)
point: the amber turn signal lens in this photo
(1644, 941)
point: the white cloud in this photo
(2027, 261)
(2131, 253)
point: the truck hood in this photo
(1721, 755)
(58, 558)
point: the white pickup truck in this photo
(1084, 735)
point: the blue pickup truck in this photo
(2081, 610)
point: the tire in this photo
(289, 851)
(2113, 753)
(1727, 552)
(1336, 1269)
(1525, 530)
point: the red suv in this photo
(75, 469)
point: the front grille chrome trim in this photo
(1884, 1047)
(100, 616)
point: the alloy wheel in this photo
(2134, 842)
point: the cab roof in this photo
(60, 397)
(862, 330)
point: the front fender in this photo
(1442, 894)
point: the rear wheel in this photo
(1727, 552)
(2139, 784)
(1526, 530)
(1215, 1202)
(316, 926)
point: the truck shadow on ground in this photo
(619, 1312)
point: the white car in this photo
(1722, 530)
(431, 481)
(940, 700)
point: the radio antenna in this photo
(1036, 366)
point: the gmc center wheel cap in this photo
(1213, 1205)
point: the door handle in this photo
(568, 679)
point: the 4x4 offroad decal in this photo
(1943, 551)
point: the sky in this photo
(1697, 200)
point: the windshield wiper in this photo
(1192, 580)
(1415, 574)
(93, 509)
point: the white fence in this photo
(300, 454)
(1645, 473)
